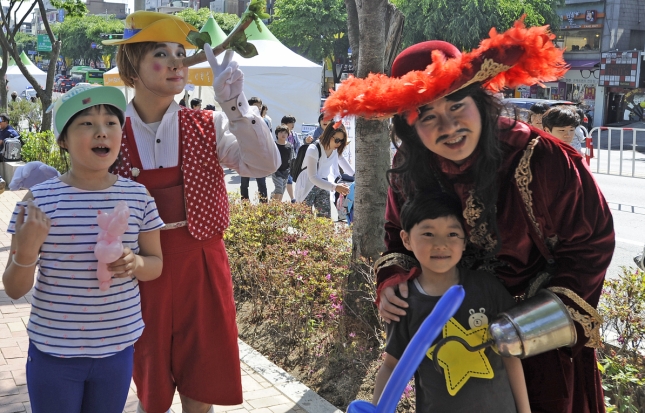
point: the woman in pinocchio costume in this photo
(190, 338)
(533, 212)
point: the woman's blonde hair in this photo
(328, 135)
(128, 59)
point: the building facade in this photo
(604, 42)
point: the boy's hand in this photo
(391, 306)
(124, 266)
(342, 189)
(30, 233)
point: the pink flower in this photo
(352, 335)
(328, 277)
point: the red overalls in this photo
(190, 337)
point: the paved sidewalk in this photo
(267, 388)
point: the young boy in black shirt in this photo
(481, 381)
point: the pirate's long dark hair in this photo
(415, 169)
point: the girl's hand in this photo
(30, 233)
(342, 189)
(124, 266)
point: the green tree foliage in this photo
(78, 33)
(317, 29)
(25, 42)
(465, 23)
(73, 8)
(198, 18)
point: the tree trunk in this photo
(368, 45)
(372, 147)
(3, 81)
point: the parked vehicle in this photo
(28, 93)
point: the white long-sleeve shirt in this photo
(244, 142)
(318, 171)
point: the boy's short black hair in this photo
(430, 206)
(560, 116)
(254, 99)
(281, 128)
(210, 107)
(539, 108)
(288, 119)
(195, 102)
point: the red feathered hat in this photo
(431, 70)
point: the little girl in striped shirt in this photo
(81, 338)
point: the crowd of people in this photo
(476, 199)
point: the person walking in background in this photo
(196, 104)
(254, 102)
(322, 124)
(14, 97)
(286, 154)
(290, 122)
(264, 113)
(190, 340)
(561, 122)
(582, 133)
(6, 130)
(313, 186)
(536, 112)
(81, 337)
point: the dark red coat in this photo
(568, 207)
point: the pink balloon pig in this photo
(108, 244)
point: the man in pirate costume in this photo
(190, 339)
(534, 214)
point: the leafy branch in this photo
(235, 41)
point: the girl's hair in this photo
(108, 108)
(320, 118)
(128, 59)
(559, 117)
(429, 206)
(415, 168)
(328, 135)
(263, 111)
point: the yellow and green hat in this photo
(82, 97)
(150, 26)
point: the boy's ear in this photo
(405, 237)
(546, 129)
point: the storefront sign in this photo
(587, 20)
(620, 68)
(575, 76)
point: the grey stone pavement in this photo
(266, 387)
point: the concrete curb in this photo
(288, 385)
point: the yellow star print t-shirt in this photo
(468, 381)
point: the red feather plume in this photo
(519, 56)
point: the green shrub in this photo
(42, 146)
(622, 305)
(289, 267)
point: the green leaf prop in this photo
(241, 46)
(237, 40)
(198, 39)
(256, 11)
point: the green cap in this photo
(82, 97)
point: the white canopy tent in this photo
(287, 83)
(17, 81)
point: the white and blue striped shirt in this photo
(70, 316)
